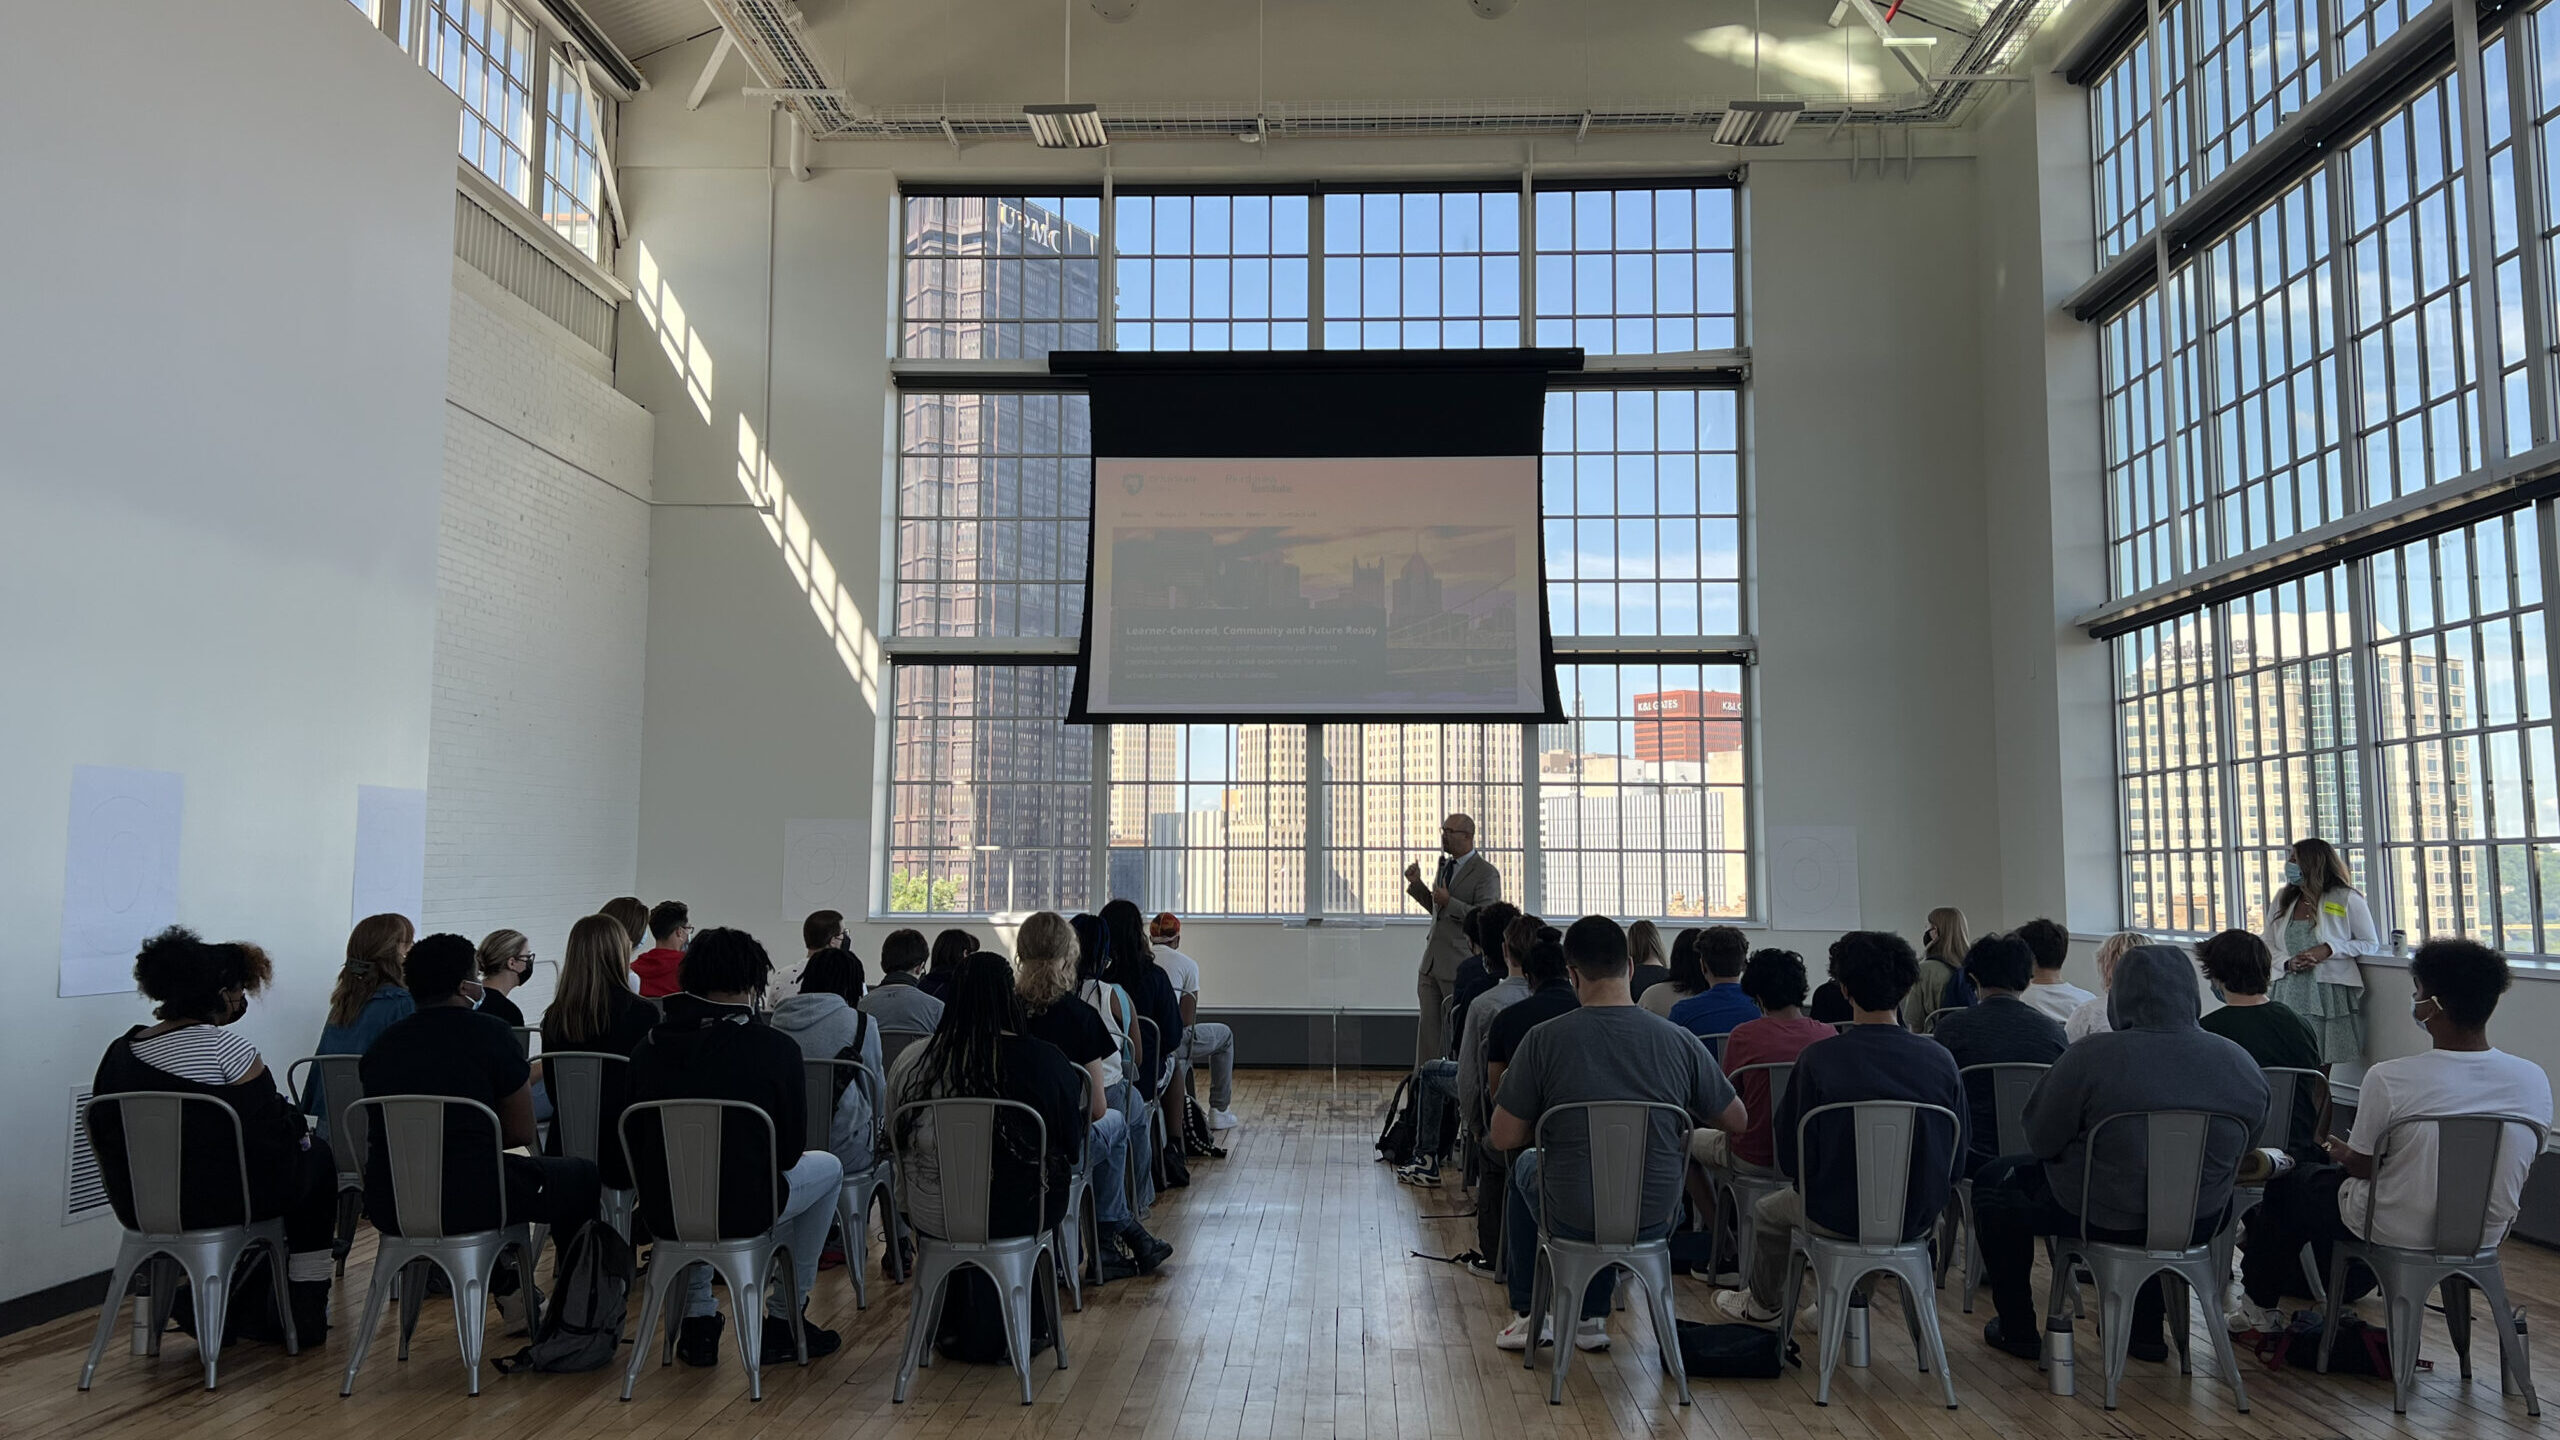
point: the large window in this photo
(1638, 805)
(484, 52)
(572, 177)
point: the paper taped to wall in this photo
(822, 866)
(1813, 878)
(391, 853)
(119, 873)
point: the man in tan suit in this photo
(1465, 881)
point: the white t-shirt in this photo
(2090, 1019)
(1181, 969)
(2439, 1082)
(2061, 1000)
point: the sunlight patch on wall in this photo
(812, 569)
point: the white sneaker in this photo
(1592, 1333)
(1739, 1306)
(1222, 1119)
(2257, 1319)
(1515, 1336)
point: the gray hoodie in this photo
(823, 1026)
(2156, 1058)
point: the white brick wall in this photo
(533, 790)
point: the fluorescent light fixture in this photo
(1910, 42)
(1066, 127)
(1757, 122)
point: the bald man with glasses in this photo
(1466, 880)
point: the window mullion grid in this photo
(2363, 672)
(2226, 769)
(2160, 267)
(2524, 106)
(1107, 241)
(1098, 874)
(2546, 536)
(537, 145)
(1316, 315)
(1313, 789)
(2344, 326)
(2488, 358)
(1528, 230)
(1533, 860)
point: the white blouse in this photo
(2344, 924)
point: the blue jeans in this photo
(1520, 1245)
(806, 1213)
(1133, 1114)
(1433, 1097)
(1106, 1147)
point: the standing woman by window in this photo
(2319, 927)
(1942, 984)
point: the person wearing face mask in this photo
(2317, 929)
(506, 961)
(200, 990)
(2457, 983)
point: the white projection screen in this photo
(1316, 537)
(1354, 586)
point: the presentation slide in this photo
(1334, 586)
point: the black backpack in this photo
(1396, 1137)
(582, 1326)
(972, 1328)
(1198, 1140)
(1734, 1352)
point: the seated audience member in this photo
(1830, 1004)
(2000, 1029)
(199, 991)
(1044, 953)
(1603, 1047)
(371, 996)
(2457, 985)
(670, 930)
(1204, 1042)
(1776, 982)
(898, 1002)
(448, 1048)
(1722, 1007)
(1874, 1059)
(2238, 963)
(1133, 968)
(1475, 1098)
(2048, 991)
(982, 1051)
(709, 1047)
(506, 961)
(2091, 1017)
(2156, 1058)
(951, 952)
(595, 1009)
(1438, 1088)
(1645, 961)
(1942, 984)
(821, 930)
(1551, 993)
(1682, 978)
(823, 1022)
(632, 914)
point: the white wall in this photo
(1869, 530)
(220, 416)
(542, 574)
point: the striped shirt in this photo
(204, 1054)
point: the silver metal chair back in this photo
(964, 1146)
(1729, 1187)
(1929, 1023)
(2012, 1082)
(1449, 1029)
(153, 1128)
(577, 1081)
(413, 1131)
(1884, 1136)
(691, 1135)
(894, 1043)
(341, 1086)
(1714, 1043)
(528, 1039)
(2283, 1084)
(1620, 1134)
(828, 1083)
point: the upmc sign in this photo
(1687, 725)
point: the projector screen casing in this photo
(1416, 405)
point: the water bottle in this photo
(2057, 1357)
(1854, 1335)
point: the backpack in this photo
(1197, 1138)
(2361, 1349)
(582, 1326)
(1734, 1352)
(972, 1328)
(1173, 1172)
(1396, 1136)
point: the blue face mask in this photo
(2292, 873)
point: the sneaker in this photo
(1592, 1333)
(698, 1340)
(777, 1339)
(2025, 1347)
(1515, 1336)
(1737, 1305)
(1420, 1173)
(1148, 1251)
(1478, 1265)
(1117, 1263)
(1222, 1119)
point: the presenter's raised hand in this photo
(1413, 873)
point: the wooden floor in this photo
(1292, 1308)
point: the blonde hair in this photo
(2113, 950)
(597, 964)
(498, 947)
(1044, 960)
(1953, 939)
(374, 949)
(1644, 944)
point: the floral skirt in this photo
(2335, 1014)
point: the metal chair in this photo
(1159, 1134)
(577, 1080)
(412, 1128)
(1073, 1235)
(2283, 1083)
(1619, 1134)
(964, 1146)
(1885, 1133)
(528, 1039)
(2174, 1158)
(2011, 1081)
(828, 1080)
(690, 1134)
(894, 1043)
(152, 1123)
(1744, 1189)
(2462, 1258)
(341, 1086)
(1715, 1044)
(1929, 1023)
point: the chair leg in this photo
(212, 1284)
(746, 1298)
(653, 1296)
(1829, 1327)
(1538, 1281)
(1666, 1329)
(2515, 1365)
(107, 1313)
(2178, 1309)
(376, 1293)
(471, 1311)
(283, 1291)
(2115, 1324)
(1057, 1314)
(2329, 1306)
(851, 1214)
(1016, 1290)
(152, 1319)
(350, 1210)
(413, 1298)
(921, 1304)
(2229, 1363)
(1565, 1284)
(2408, 1314)
(1932, 1340)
